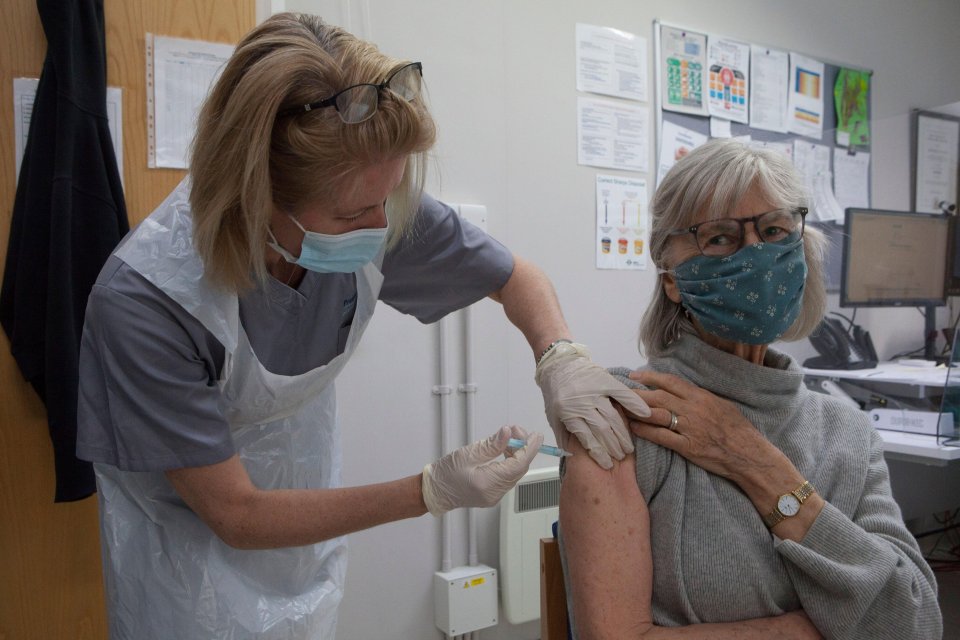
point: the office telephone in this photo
(840, 348)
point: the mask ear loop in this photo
(676, 321)
(273, 244)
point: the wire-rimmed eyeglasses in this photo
(359, 102)
(725, 236)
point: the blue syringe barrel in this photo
(517, 443)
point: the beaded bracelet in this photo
(550, 348)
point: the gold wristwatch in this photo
(788, 504)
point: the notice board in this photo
(680, 65)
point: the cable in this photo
(948, 347)
(906, 354)
(944, 554)
(850, 320)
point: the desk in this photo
(915, 447)
(924, 473)
(896, 379)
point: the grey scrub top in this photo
(149, 398)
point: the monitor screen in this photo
(893, 258)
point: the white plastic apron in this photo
(167, 574)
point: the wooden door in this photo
(50, 579)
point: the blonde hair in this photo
(249, 158)
(714, 178)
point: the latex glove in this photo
(577, 394)
(472, 476)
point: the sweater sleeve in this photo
(864, 576)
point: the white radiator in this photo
(527, 513)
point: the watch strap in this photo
(801, 493)
(804, 491)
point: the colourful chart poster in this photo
(850, 94)
(805, 113)
(729, 78)
(622, 223)
(683, 56)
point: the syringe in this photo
(517, 443)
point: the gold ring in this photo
(673, 421)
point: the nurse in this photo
(215, 332)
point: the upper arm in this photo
(444, 264)
(148, 397)
(606, 542)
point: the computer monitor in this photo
(894, 259)
(953, 258)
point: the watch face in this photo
(788, 505)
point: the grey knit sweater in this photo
(858, 573)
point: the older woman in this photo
(754, 507)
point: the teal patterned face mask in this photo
(752, 296)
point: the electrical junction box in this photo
(465, 599)
(474, 213)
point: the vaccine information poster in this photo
(683, 56)
(622, 222)
(729, 79)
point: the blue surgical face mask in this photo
(343, 253)
(752, 296)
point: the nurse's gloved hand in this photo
(476, 475)
(577, 397)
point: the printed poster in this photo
(851, 178)
(805, 112)
(184, 71)
(729, 79)
(611, 62)
(613, 134)
(622, 223)
(937, 159)
(769, 89)
(675, 142)
(683, 56)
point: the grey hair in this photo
(713, 179)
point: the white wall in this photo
(502, 86)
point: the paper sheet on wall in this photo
(810, 159)
(683, 58)
(611, 62)
(180, 73)
(851, 178)
(622, 222)
(813, 163)
(675, 142)
(720, 128)
(24, 95)
(805, 113)
(769, 89)
(937, 143)
(786, 148)
(612, 134)
(729, 78)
